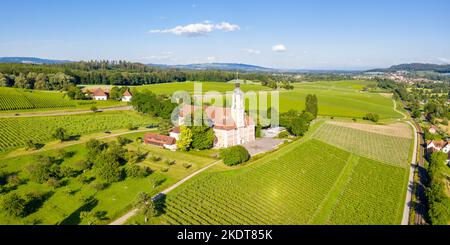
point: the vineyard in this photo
(15, 132)
(384, 148)
(16, 99)
(371, 177)
(289, 187)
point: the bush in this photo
(164, 169)
(169, 162)
(187, 165)
(53, 182)
(98, 186)
(14, 205)
(234, 155)
(83, 165)
(155, 158)
(371, 117)
(135, 171)
(283, 134)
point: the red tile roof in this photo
(158, 139)
(175, 130)
(220, 116)
(127, 93)
(100, 92)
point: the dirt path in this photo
(127, 216)
(63, 113)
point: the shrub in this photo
(234, 155)
(135, 171)
(13, 205)
(371, 117)
(155, 159)
(164, 169)
(187, 165)
(283, 134)
(169, 162)
(98, 186)
(83, 165)
(53, 182)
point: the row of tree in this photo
(438, 201)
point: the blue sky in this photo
(283, 34)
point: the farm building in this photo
(160, 140)
(439, 145)
(127, 95)
(99, 94)
(231, 125)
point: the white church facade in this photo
(231, 125)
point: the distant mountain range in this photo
(415, 67)
(219, 66)
(31, 60)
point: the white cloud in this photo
(198, 29)
(251, 51)
(210, 58)
(444, 60)
(227, 27)
(279, 48)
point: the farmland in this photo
(339, 99)
(64, 203)
(14, 99)
(389, 149)
(15, 132)
(306, 182)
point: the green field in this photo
(65, 203)
(306, 182)
(339, 99)
(384, 148)
(15, 99)
(15, 132)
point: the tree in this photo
(311, 104)
(184, 143)
(60, 133)
(202, 137)
(21, 82)
(91, 217)
(40, 172)
(146, 206)
(165, 126)
(258, 132)
(94, 108)
(14, 205)
(371, 117)
(115, 93)
(107, 168)
(94, 148)
(234, 155)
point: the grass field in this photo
(339, 99)
(65, 203)
(15, 132)
(384, 148)
(305, 182)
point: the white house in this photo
(127, 95)
(231, 125)
(99, 94)
(439, 145)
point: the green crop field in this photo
(15, 132)
(384, 148)
(306, 182)
(336, 98)
(14, 99)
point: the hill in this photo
(415, 67)
(219, 66)
(31, 60)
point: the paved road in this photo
(62, 113)
(125, 217)
(417, 163)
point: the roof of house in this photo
(159, 139)
(220, 116)
(127, 93)
(175, 130)
(437, 143)
(99, 92)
